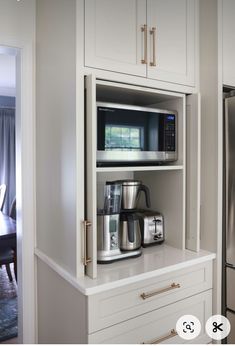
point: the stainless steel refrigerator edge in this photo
(229, 215)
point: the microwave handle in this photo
(145, 189)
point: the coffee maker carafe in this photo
(130, 233)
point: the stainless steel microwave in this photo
(135, 135)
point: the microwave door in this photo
(128, 135)
(154, 143)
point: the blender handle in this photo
(130, 228)
(145, 189)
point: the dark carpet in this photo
(8, 306)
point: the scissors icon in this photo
(217, 327)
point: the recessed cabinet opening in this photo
(140, 99)
(134, 208)
(166, 195)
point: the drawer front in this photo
(157, 326)
(117, 305)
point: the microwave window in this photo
(123, 138)
(121, 129)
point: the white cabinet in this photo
(172, 40)
(116, 43)
(111, 307)
(112, 310)
(158, 326)
(153, 38)
(228, 42)
(113, 35)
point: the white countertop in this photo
(154, 261)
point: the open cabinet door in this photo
(90, 237)
(193, 171)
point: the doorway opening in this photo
(23, 51)
(8, 197)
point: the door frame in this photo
(25, 187)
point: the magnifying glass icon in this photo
(188, 327)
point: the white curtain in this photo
(7, 155)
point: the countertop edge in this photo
(59, 270)
(119, 283)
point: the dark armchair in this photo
(8, 256)
(3, 189)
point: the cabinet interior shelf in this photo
(139, 168)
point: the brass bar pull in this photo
(144, 31)
(163, 338)
(86, 259)
(153, 32)
(151, 294)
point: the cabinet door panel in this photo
(113, 37)
(90, 246)
(174, 21)
(193, 151)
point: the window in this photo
(123, 138)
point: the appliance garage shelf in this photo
(155, 260)
(139, 168)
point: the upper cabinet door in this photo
(171, 36)
(228, 42)
(114, 39)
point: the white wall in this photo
(56, 131)
(17, 29)
(17, 20)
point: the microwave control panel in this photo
(170, 131)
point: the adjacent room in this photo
(8, 262)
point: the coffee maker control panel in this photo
(113, 232)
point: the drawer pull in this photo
(163, 338)
(144, 31)
(153, 32)
(151, 294)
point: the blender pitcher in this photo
(112, 198)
